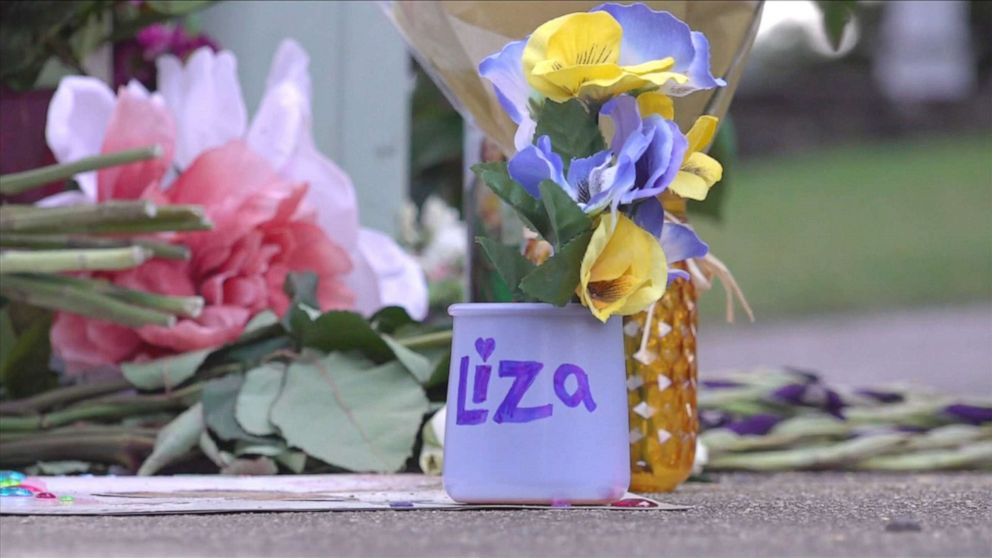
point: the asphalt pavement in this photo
(795, 514)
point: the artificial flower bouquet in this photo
(598, 198)
(598, 157)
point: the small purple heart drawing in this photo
(485, 347)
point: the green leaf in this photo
(293, 460)
(567, 218)
(301, 286)
(259, 322)
(175, 440)
(258, 392)
(346, 331)
(390, 319)
(511, 265)
(220, 398)
(415, 363)
(528, 208)
(573, 130)
(25, 370)
(270, 449)
(177, 7)
(555, 280)
(164, 373)
(349, 413)
(8, 337)
(836, 14)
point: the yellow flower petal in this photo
(698, 174)
(577, 39)
(688, 185)
(701, 133)
(623, 270)
(656, 103)
(571, 81)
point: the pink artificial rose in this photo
(262, 232)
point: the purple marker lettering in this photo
(481, 385)
(524, 374)
(467, 416)
(582, 393)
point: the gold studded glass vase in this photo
(661, 385)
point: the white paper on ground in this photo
(194, 494)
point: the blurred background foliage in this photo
(844, 190)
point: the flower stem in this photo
(124, 448)
(113, 217)
(62, 396)
(162, 250)
(16, 183)
(433, 340)
(79, 301)
(185, 306)
(133, 405)
(55, 261)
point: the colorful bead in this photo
(15, 491)
(14, 475)
(45, 495)
(32, 488)
(66, 499)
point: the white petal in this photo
(331, 193)
(284, 114)
(170, 81)
(280, 121)
(385, 275)
(290, 65)
(64, 199)
(77, 121)
(211, 110)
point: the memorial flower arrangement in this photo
(598, 153)
(200, 259)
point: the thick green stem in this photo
(56, 261)
(114, 217)
(162, 250)
(185, 306)
(22, 181)
(125, 449)
(62, 396)
(136, 405)
(83, 302)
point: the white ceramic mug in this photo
(537, 406)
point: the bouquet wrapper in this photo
(449, 39)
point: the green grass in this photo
(859, 228)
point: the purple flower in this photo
(754, 425)
(970, 414)
(712, 418)
(815, 395)
(720, 384)
(881, 396)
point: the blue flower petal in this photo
(505, 71)
(649, 35)
(650, 216)
(580, 169)
(535, 163)
(626, 117)
(681, 243)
